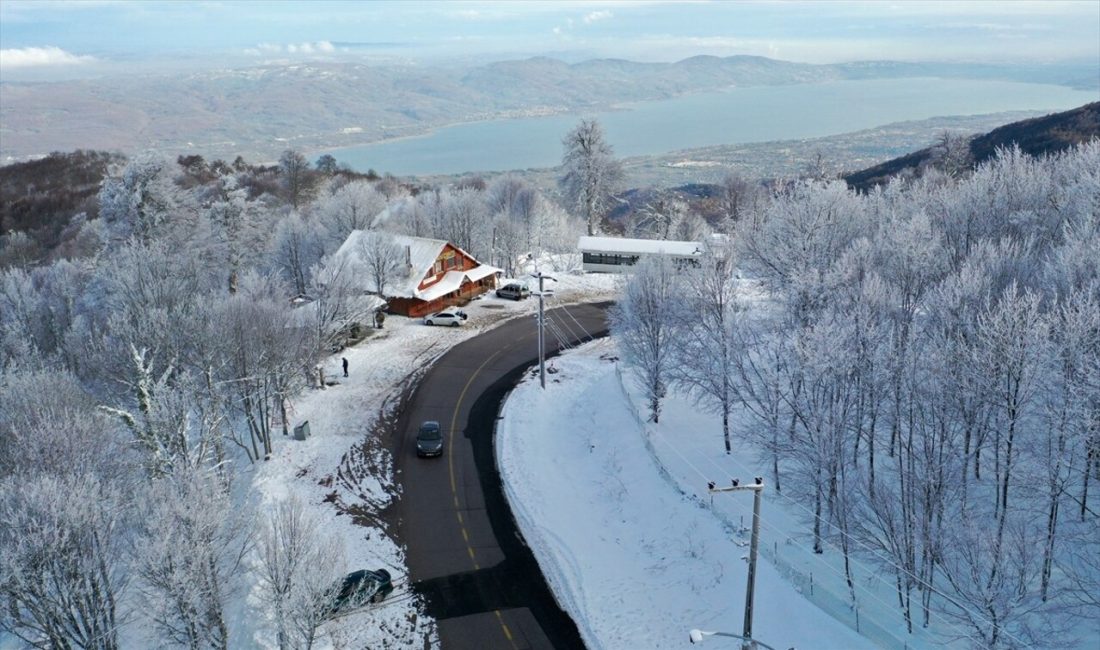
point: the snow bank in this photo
(632, 559)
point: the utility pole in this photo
(757, 488)
(542, 328)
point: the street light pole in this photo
(757, 488)
(542, 329)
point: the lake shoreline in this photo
(735, 115)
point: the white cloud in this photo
(316, 47)
(594, 16)
(28, 57)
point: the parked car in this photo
(515, 291)
(452, 317)
(361, 587)
(429, 440)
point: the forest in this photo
(149, 357)
(924, 374)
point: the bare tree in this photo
(382, 258)
(298, 180)
(591, 175)
(736, 197)
(659, 218)
(299, 571)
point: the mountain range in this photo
(260, 111)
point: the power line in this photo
(855, 541)
(782, 533)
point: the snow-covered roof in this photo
(420, 255)
(450, 281)
(639, 246)
(306, 312)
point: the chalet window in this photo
(438, 267)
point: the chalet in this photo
(619, 255)
(435, 274)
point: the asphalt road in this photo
(465, 555)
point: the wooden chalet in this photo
(437, 274)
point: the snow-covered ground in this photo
(619, 517)
(343, 464)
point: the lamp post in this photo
(757, 488)
(542, 323)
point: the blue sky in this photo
(44, 37)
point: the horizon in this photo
(46, 41)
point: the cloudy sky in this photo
(43, 38)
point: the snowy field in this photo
(343, 465)
(634, 547)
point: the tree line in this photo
(920, 366)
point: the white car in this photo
(452, 317)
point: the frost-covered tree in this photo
(298, 247)
(708, 344)
(49, 425)
(174, 425)
(192, 541)
(590, 173)
(659, 218)
(63, 561)
(382, 258)
(268, 348)
(353, 206)
(142, 199)
(644, 322)
(299, 571)
(508, 243)
(239, 228)
(792, 242)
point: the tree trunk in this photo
(817, 515)
(726, 424)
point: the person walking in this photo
(345, 360)
(379, 318)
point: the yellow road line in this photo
(504, 626)
(451, 469)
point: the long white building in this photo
(619, 255)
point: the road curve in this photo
(464, 552)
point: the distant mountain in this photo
(1036, 136)
(257, 112)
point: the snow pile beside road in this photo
(632, 560)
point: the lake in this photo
(734, 116)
